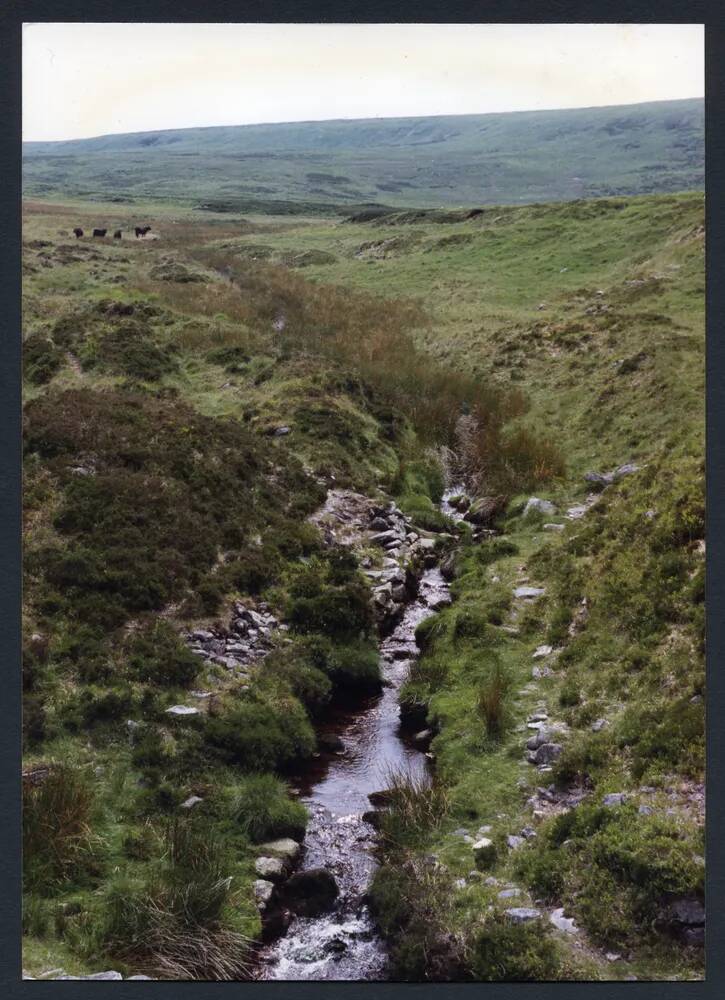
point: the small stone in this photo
(281, 431)
(613, 956)
(614, 799)
(271, 869)
(542, 506)
(599, 725)
(548, 752)
(104, 975)
(514, 842)
(551, 526)
(263, 891)
(528, 593)
(562, 923)
(182, 710)
(509, 893)
(285, 847)
(192, 801)
(541, 651)
(484, 851)
(522, 914)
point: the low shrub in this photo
(506, 952)
(155, 653)
(42, 359)
(259, 736)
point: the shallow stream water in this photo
(344, 943)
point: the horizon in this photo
(323, 121)
(183, 76)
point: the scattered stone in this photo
(281, 431)
(522, 914)
(613, 956)
(528, 832)
(547, 753)
(542, 506)
(552, 526)
(484, 851)
(423, 737)
(540, 672)
(182, 710)
(514, 842)
(614, 799)
(690, 912)
(192, 801)
(562, 923)
(599, 725)
(509, 893)
(528, 593)
(542, 651)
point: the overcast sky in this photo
(81, 80)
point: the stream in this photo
(344, 944)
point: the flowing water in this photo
(344, 943)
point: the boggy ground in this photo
(229, 394)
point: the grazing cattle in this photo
(142, 230)
(78, 232)
(117, 235)
(100, 232)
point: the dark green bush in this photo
(262, 737)
(41, 359)
(155, 653)
(505, 952)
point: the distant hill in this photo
(504, 158)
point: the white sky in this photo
(81, 80)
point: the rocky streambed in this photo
(362, 745)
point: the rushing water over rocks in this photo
(344, 943)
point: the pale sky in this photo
(81, 80)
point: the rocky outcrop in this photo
(310, 893)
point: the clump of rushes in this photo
(180, 922)
(492, 700)
(263, 810)
(59, 845)
(415, 806)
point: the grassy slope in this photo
(514, 295)
(461, 160)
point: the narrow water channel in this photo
(344, 943)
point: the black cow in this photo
(117, 235)
(100, 232)
(78, 232)
(142, 230)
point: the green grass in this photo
(183, 391)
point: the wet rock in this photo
(310, 893)
(330, 742)
(522, 914)
(423, 738)
(448, 567)
(413, 714)
(382, 798)
(689, 912)
(482, 511)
